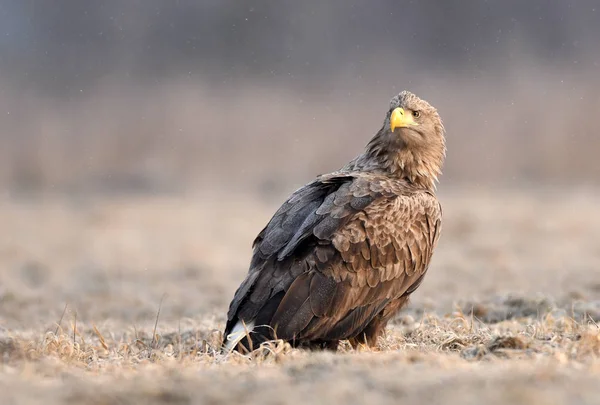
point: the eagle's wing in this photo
(335, 254)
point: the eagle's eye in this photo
(416, 114)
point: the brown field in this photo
(507, 314)
(144, 144)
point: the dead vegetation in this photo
(87, 347)
(498, 319)
(187, 367)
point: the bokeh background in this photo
(143, 144)
(155, 96)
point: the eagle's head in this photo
(415, 121)
(410, 144)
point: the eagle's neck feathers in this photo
(420, 165)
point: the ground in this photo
(122, 299)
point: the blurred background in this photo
(144, 143)
(160, 96)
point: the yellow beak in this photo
(399, 119)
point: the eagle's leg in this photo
(329, 345)
(370, 334)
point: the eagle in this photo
(343, 254)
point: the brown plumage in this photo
(342, 255)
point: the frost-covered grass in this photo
(508, 313)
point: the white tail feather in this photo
(239, 331)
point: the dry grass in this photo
(432, 357)
(509, 312)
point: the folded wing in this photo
(334, 255)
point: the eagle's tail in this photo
(240, 331)
(249, 335)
